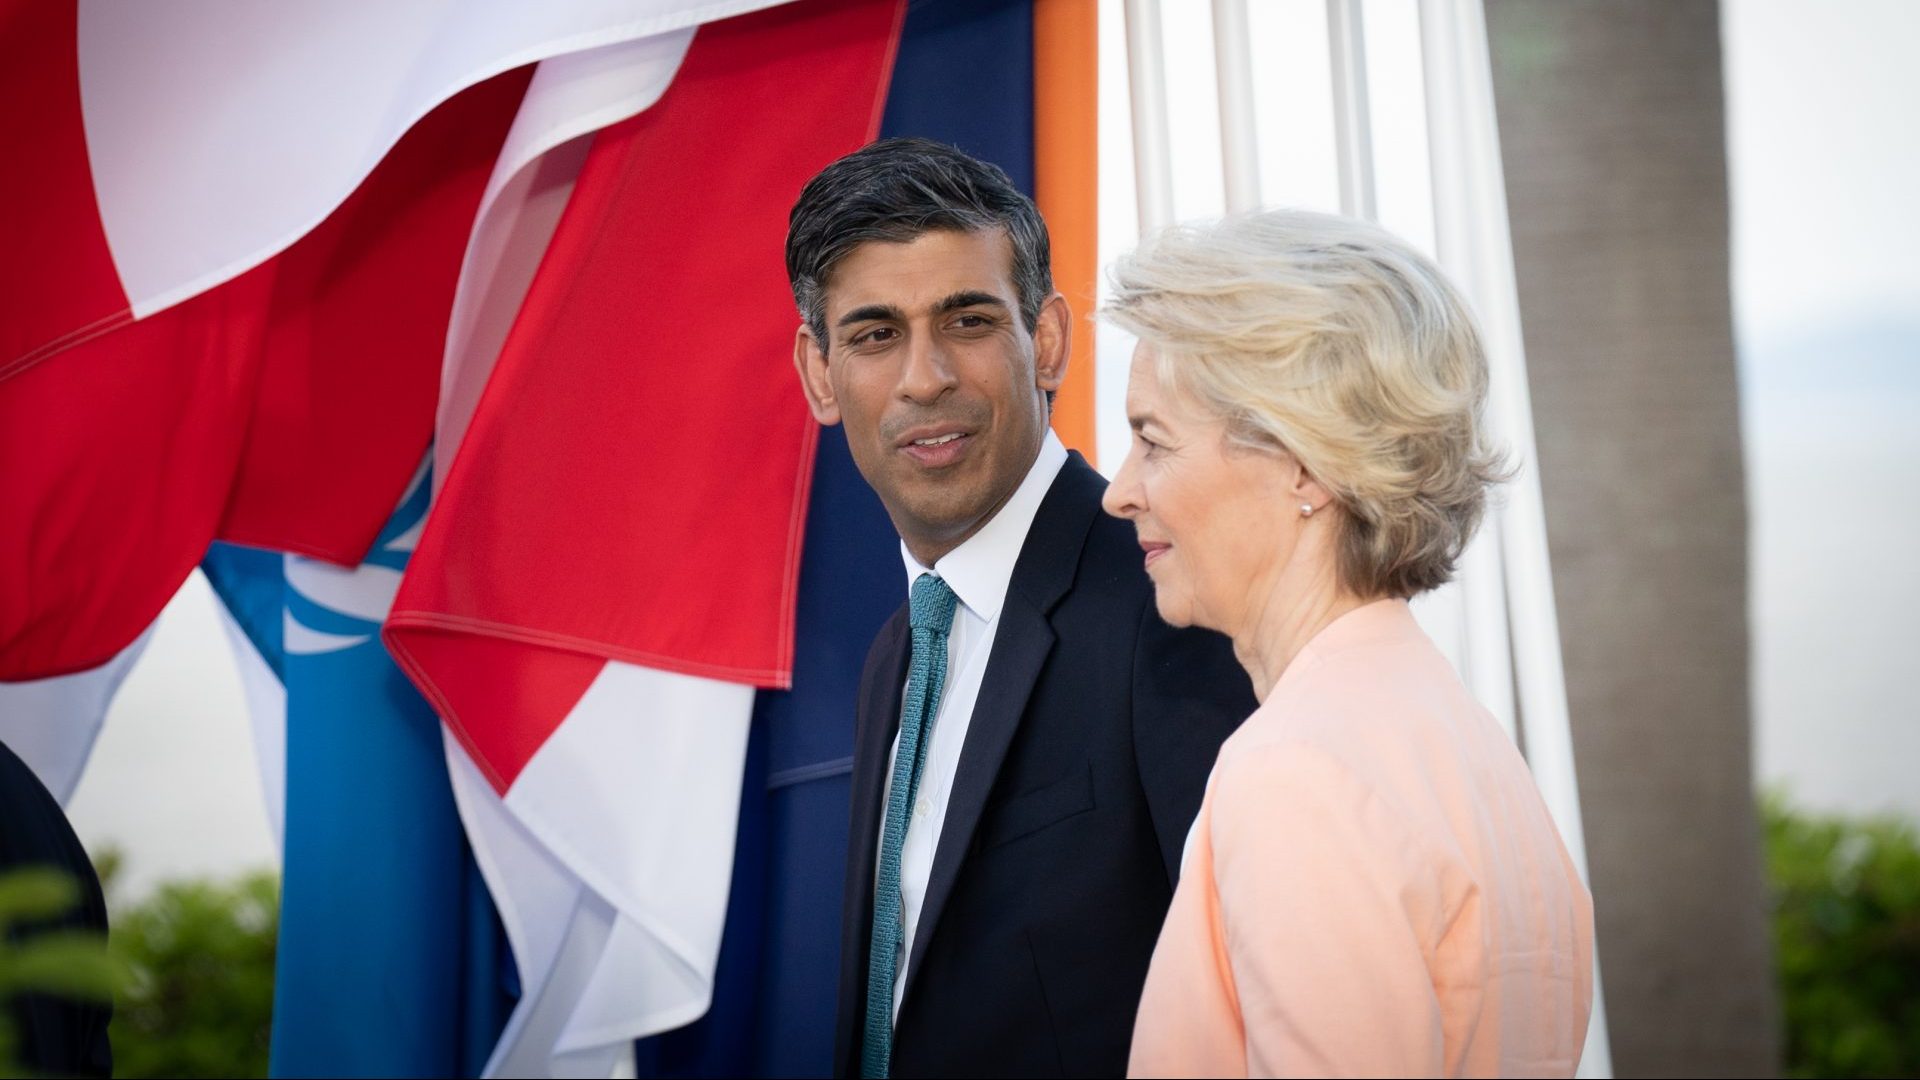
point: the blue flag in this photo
(391, 960)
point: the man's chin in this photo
(944, 500)
(943, 522)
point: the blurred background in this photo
(1715, 244)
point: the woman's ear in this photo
(1304, 490)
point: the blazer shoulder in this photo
(891, 631)
(1168, 661)
(1109, 575)
(883, 653)
(1112, 553)
(1106, 562)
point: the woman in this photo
(1373, 886)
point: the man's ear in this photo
(1052, 343)
(811, 362)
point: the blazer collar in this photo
(1043, 575)
(980, 570)
(1051, 555)
(878, 719)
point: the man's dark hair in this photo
(895, 190)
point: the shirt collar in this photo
(980, 569)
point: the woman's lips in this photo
(1154, 551)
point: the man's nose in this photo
(929, 371)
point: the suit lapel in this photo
(1021, 645)
(1020, 649)
(877, 722)
(877, 718)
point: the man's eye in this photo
(876, 336)
(971, 321)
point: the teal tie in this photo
(930, 614)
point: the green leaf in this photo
(32, 893)
(64, 963)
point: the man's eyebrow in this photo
(871, 313)
(967, 298)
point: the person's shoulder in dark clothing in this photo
(51, 1034)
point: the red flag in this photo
(58, 279)
(360, 305)
(634, 481)
(286, 408)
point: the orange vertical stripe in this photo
(1066, 51)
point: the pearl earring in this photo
(1306, 509)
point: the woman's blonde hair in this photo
(1338, 343)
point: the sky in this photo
(1823, 154)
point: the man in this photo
(1032, 741)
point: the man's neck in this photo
(928, 550)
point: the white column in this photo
(1352, 123)
(1147, 84)
(1476, 248)
(1239, 139)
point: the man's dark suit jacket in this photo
(1084, 764)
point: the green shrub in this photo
(199, 1001)
(1846, 928)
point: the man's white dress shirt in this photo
(978, 572)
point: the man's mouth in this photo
(937, 448)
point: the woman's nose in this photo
(1124, 498)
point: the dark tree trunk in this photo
(1613, 130)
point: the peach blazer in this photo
(1373, 886)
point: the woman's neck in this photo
(1283, 616)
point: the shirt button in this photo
(921, 808)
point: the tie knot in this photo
(930, 606)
